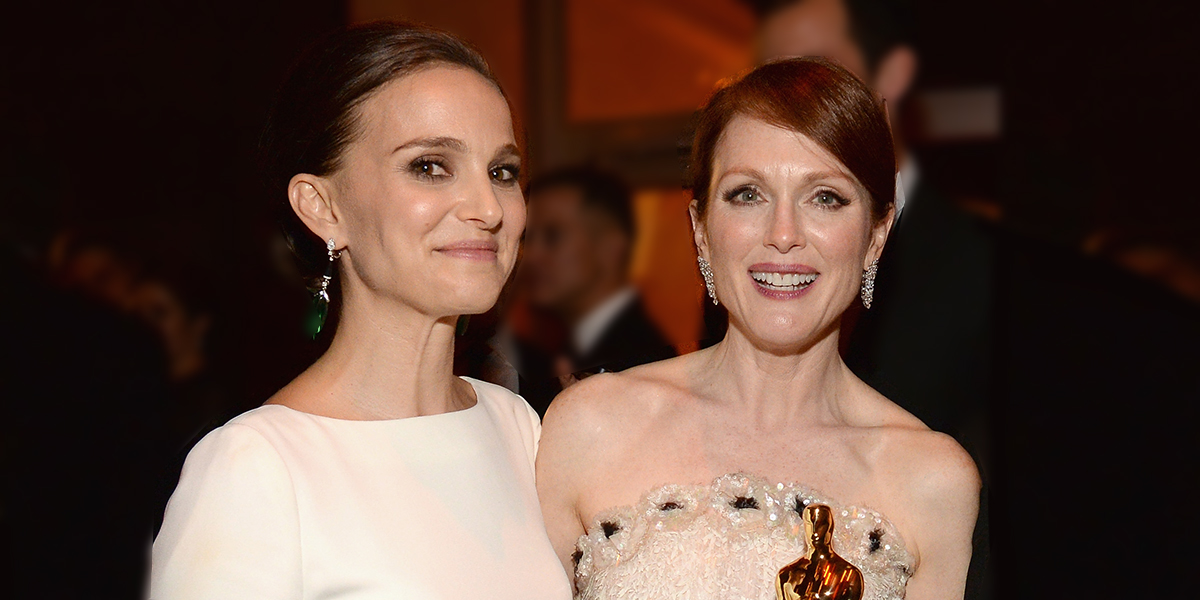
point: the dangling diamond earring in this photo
(707, 273)
(321, 298)
(867, 292)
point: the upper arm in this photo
(945, 499)
(231, 528)
(569, 439)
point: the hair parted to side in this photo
(315, 114)
(813, 97)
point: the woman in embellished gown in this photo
(687, 478)
(377, 473)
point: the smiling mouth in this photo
(471, 250)
(783, 282)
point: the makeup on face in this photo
(781, 281)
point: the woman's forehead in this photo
(437, 101)
(748, 143)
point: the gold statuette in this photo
(822, 574)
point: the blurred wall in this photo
(495, 27)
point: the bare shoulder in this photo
(932, 471)
(595, 406)
(914, 456)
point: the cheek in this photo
(730, 237)
(515, 214)
(842, 244)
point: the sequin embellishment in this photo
(727, 540)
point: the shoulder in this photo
(503, 401)
(511, 413)
(591, 423)
(935, 479)
(237, 454)
(595, 405)
(231, 528)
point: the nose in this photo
(784, 229)
(481, 206)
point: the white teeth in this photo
(784, 280)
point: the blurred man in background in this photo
(575, 267)
(926, 342)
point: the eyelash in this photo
(423, 169)
(514, 174)
(733, 196)
(838, 200)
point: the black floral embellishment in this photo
(742, 502)
(800, 504)
(874, 537)
(610, 528)
(670, 506)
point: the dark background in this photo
(143, 117)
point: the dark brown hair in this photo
(813, 97)
(316, 112)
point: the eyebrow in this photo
(434, 142)
(807, 179)
(508, 151)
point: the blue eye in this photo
(743, 195)
(828, 199)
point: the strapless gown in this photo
(727, 541)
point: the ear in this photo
(312, 200)
(699, 232)
(879, 236)
(895, 74)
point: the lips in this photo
(783, 280)
(471, 249)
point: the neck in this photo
(775, 388)
(387, 361)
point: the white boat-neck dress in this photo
(279, 503)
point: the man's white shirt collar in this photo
(587, 332)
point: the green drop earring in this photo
(321, 298)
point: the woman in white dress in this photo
(689, 477)
(377, 473)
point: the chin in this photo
(471, 300)
(782, 333)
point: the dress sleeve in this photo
(536, 425)
(231, 528)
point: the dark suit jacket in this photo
(631, 339)
(926, 342)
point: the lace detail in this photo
(727, 540)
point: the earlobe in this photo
(879, 236)
(310, 197)
(699, 234)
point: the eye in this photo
(743, 195)
(829, 199)
(506, 174)
(429, 168)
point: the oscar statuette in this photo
(822, 574)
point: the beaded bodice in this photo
(727, 540)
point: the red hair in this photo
(813, 97)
